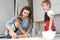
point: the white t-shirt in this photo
(49, 12)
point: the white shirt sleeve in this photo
(50, 12)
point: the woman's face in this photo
(25, 13)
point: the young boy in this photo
(49, 16)
(15, 27)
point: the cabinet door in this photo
(38, 11)
(57, 22)
(6, 13)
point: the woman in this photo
(25, 14)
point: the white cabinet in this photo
(57, 22)
(56, 6)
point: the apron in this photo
(47, 22)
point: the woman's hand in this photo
(27, 34)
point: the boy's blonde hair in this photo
(19, 19)
(47, 2)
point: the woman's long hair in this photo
(29, 9)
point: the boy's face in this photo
(45, 6)
(17, 24)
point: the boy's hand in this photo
(14, 35)
(49, 28)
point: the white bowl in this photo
(48, 35)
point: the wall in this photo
(56, 6)
(38, 11)
(21, 4)
(6, 13)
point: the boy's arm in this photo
(51, 21)
(11, 31)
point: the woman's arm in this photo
(8, 26)
(22, 30)
(29, 29)
(11, 21)
(51, 21)
(24, 34)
